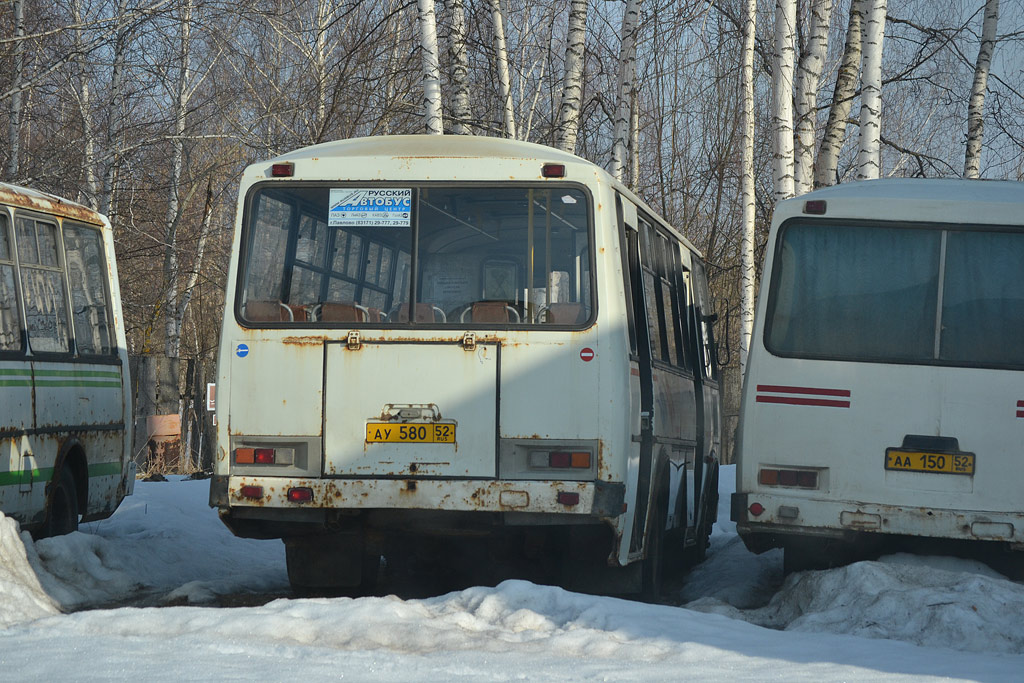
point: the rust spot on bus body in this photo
(37, 201)
(311, 340)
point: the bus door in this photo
(411, 409)
(640, 365)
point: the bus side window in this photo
(10, 337)
(705, 317)
(681, 300)
(654, 320)
(46, 312)
(83, 254)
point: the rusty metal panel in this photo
(15, 396)
(85, 394)
(275, 389)
(33, 200)
(460, 385)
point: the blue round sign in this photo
(242, 351)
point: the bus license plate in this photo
(942, 463)
(390, 432)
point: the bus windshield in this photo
(318, 255)
(921, 294)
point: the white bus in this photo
(439, 336)
(65, 406)
(883, 400)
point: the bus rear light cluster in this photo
(562, 460)
(264, 456)
(804, 479)
(568, 498)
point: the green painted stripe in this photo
(15, 382)
(78, 373)
(103, 469)
(16, 371)
(77, 383)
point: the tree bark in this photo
(431, 68)
(504, 81)
(462, 114)
(827, 164)
(809, 69)
(14, 127)
(572, 84)
(869, 155)
(115, 111)
(975, 120)
(782, 98)
(627, 75)
(747, 197)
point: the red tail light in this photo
(252, 492)
(285, 169)
(560, 459)
(300, 494)
(804, 479)
(263, 456)
(553, 170)
(568, 497)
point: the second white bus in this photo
(883, 401)
(464, 338)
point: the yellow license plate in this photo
(391, 432)
(917, 461)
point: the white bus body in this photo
(521, 399)
(65, 406)
(884, 391)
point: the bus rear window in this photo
(428, 255)
(873, 293)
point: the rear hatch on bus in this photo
(410, 409)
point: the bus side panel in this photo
(16, 462)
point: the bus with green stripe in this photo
(65, 406)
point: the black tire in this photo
(654, 562)
(62, 505)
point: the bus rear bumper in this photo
(593, 499)
(787, 516)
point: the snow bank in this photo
(21, 597)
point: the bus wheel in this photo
(654, 562)
(62, 505)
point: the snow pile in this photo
(164, 544)
(21, 597)
(937, 602)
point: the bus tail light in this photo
(568, 498)
(561, 460)
(552, 170)
(251, 492)
(264, 456)
(284, 169)
(300, 494)
(804, 479)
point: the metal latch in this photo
(469, 341)
(647, 421)
(354, 344)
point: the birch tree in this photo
(845, 90)
(869, 155)
(626, 77)
(15, 110)
(461, 112)
(572, 84)
(812, 62)
(782, 97)
(975, 121)
(431, 68)
(504, 81)
(747, 198)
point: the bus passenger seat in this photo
(257, 310)
(331, 311)
(562, 314)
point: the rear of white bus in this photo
(883, 401)
(408, 355)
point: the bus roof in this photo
(517, 161)
(27, 198)
(941, 200)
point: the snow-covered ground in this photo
(902, 618)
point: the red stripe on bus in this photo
(795, 401)
(802, 390)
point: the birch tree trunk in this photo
(747, 272)
(115, 111)
(827, 164)
(572, 84)
(173, 216)
(812, 62)
(14, 126)
(634, 140)
(504, 81)
(869, 156)
(88, 196)
(322, 21)
(627, 74)
(461, 112)
(431, 68)
(975, 121)
(782, 98)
